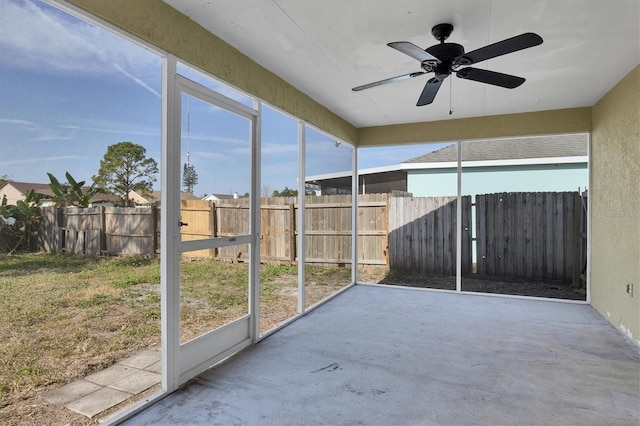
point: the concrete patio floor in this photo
(380, 355)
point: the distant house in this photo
(375, 180)
(539, 164)
(545, 163)
(16, 191)
(220, 197)
(154, 197)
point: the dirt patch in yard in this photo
(510, 286)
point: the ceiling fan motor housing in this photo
(446, 53)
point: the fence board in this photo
(128, 230)
(558, 260)
(422, 235)
(527, 235)
(467, 249)
(196, 220)
(549, 235)
(569, 204)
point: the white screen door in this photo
(211, 275)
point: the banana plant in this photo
(25, 214)
(72, 193)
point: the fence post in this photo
(384, 221)
(154, 227)
(292, 234)
(577, 239)
(103, 231)
(214, 226)
(212, 232)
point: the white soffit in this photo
(326, 47)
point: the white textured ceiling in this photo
(326, 47)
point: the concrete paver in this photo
(102, 390)
(156, 367)
(138, 382)
(111, 375)
(142, 359)
(70, 392)
(98, 401)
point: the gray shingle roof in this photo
(43, 189)
(184, 196)
(25, 187)
(510, 149)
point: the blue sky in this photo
(70, 89)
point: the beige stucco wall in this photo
(162, 26)
(615, 205)
(573, 120)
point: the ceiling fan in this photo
(445, 58)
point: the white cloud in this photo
(127, 131)
(39, 160)
(279, 149)
(16, 122)
(39, 37)
(27, 128)
(138, 81)
(50, 137)
(213, 138)
(212, 155)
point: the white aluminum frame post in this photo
(183, 361)
(169, 232)
(302, 193)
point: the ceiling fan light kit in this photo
(443, 59)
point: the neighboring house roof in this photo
(25, 187)
(156, 195)
(184, 196)
(215, 197)
(43, 189)
(510, 149)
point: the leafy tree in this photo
(125, 168)
(71, 193)
(189, 177)
(266, 191)
(286, 192)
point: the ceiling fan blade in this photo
(429, 92)
(490, 77)
(513, 44)
(388, 80)
(412, 50)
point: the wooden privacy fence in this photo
(535, 235)
(112, 230)
(531, 235)
(327, 234)
(100, 230)
(422, 235)
(522, 235)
